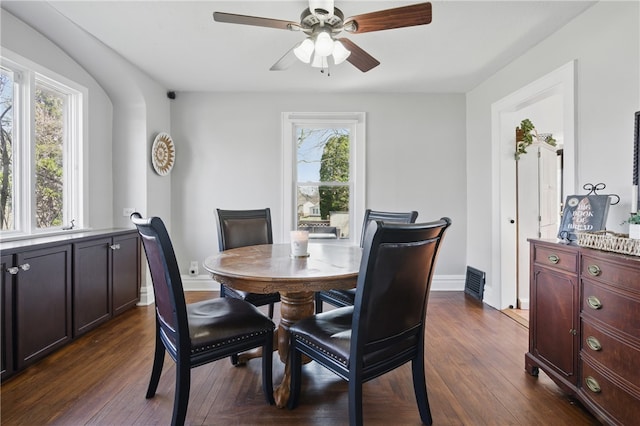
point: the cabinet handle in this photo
(553, 258)
(592, 384)
(573, 331)
(114, 246)
(594, 343)
(594, 270)
(15, 269)
(594, 302)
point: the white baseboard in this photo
(199, 283)
(206, 283)
(448, 283)
(524, 303)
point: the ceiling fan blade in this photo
(257, 21)
(399, 17)
(359, 58)
(286, 61)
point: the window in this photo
(40, 147)
(324, 175)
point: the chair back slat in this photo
(394, 283)
(240, 228)
(167, 283)
(394, 217)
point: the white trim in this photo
(561, 81)
(356, 120)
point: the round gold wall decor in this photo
(163, 154)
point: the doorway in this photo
(550, 100)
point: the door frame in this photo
(560, 81)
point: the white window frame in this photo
(26, 74)
(356, 122)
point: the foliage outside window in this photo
(323, 181)
(39, 148)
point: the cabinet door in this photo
(91, 284)
(42, 303)
(6, 326)
(126, 272)
(554, 337)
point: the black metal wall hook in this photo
(599, 187)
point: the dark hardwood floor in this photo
(475, 376)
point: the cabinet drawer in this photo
(607, 350)
(552, 257)
(613, 273)
(614, 309)
(617, 402)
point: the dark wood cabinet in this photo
(553, 340)
(126, 272)
(584, 329)
(57, 288)
(91, 284)
(42, 301)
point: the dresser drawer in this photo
(617, 310)
(610, 272)
(555, 258)
(616, 401)
(619, 357)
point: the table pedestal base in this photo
(293, 307)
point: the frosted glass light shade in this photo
(319, 61)
(324, 44)
(340, 53)
(304, 51)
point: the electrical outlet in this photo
(128, 211)
(193, 268)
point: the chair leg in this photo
(355, 402)
(420, 389)
(271, 310)
(181, 398)
(318, 302)
(156, 370)
(295, 363)
(267, 369)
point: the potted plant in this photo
(525, 135)
(634, 226)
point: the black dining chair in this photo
(240, 228)
(197, 333)
(342, 298)
(386, 326)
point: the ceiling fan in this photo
(322, 23)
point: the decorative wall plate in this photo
(163, 154)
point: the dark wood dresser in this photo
(584, 327)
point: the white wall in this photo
(605, 42)
(228, 149)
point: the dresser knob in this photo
(592, 384)
(594, 302)
(553, 258)
(594, 343)
(594, 270)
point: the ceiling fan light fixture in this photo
(340, 53)
(324, 44)
(304, 51)
(321, 7)
(319, 61)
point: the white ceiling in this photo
(179, 45)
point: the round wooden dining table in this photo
(270, 268)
